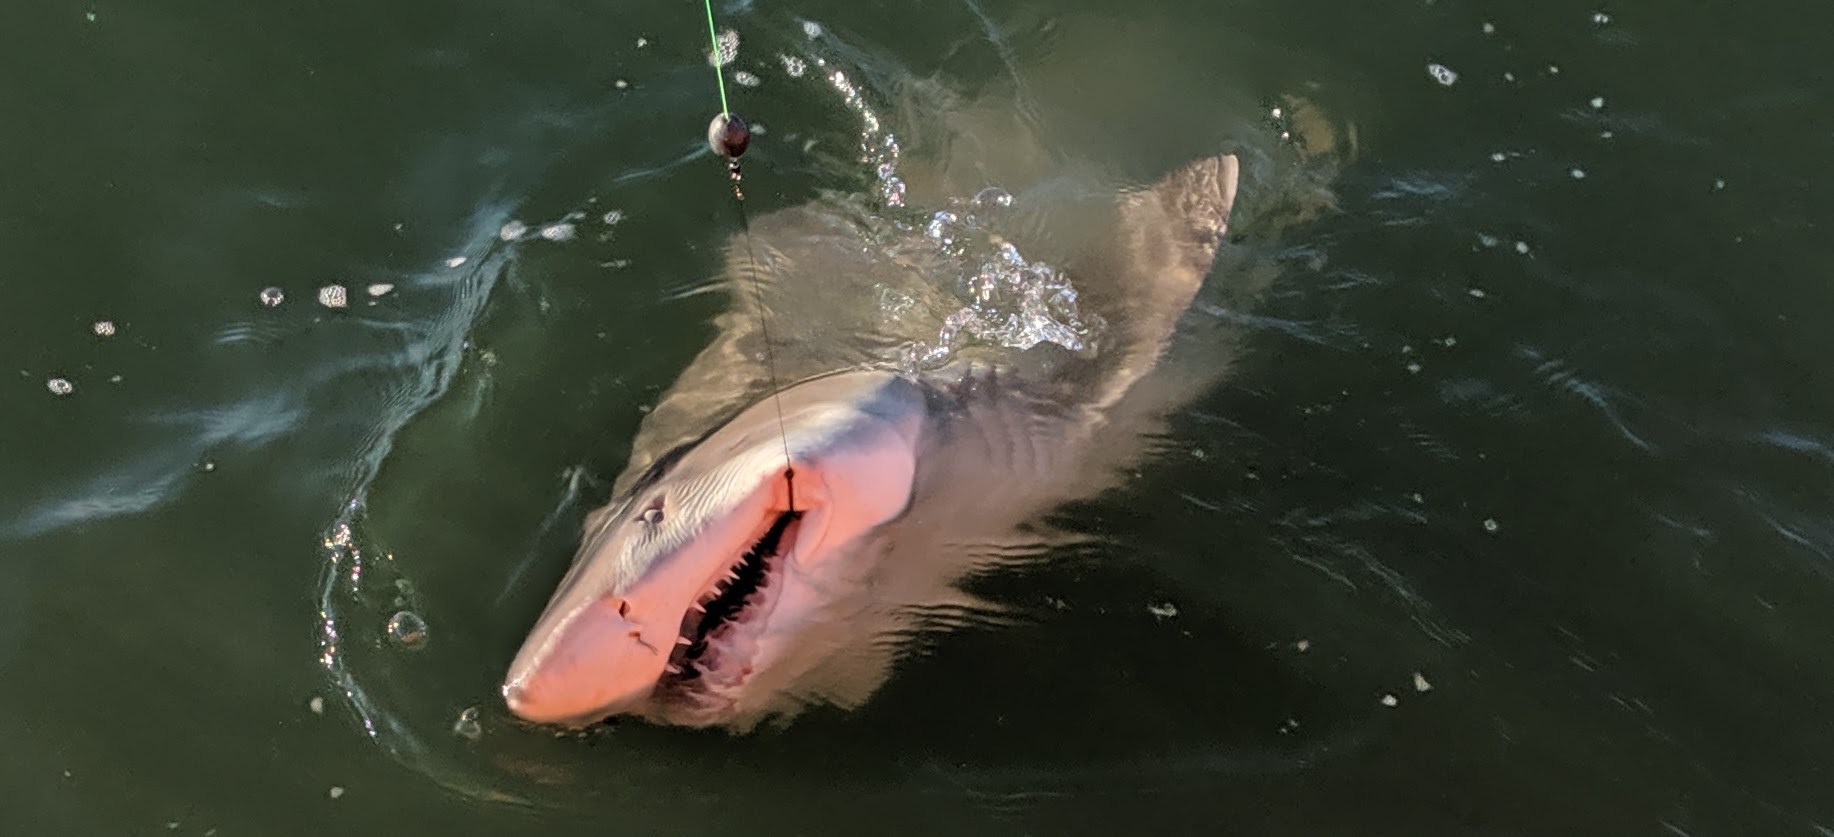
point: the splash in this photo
(1008, 300)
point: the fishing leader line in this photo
(729, 136)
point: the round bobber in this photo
(728, 136)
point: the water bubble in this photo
(1487, 239)
(1598, 103)
(1489, 28)
(1477, 293)
(1490, 525)
(1522, 247)
(1719, 184)
(333, 296)
(271, 297)
(621, 84)
(1578, 173)
(455, 261)
(103, 328)
(467, 726)
(317, 705)
(60, 386)
(90, 16)
(1553, 69)
(335, 792)
(1390, 700)
(642, 42)
(745, 79)
(1498, 156)
(941, 227)
(993, 196)
(513, 230)
(1601, 18)
(1162, 611)
(1442, 74)
(892, 191)
(1507, 76)
(562, 231)
(811, 29)
(1420, 684)
(379, 289)
(792, 65)
(408, 630)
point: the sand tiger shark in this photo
(769, 549)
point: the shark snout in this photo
(602, 661)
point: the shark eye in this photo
(652, 514)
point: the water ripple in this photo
(1561, 376)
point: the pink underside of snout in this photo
(601, 659)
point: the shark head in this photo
(713, 569)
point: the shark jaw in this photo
(721, 633)
(713, 571)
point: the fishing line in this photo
(728, 136)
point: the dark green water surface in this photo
(1516, 516)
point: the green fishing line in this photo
(713, 38)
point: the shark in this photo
(771, 547)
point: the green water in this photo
(1539, 416)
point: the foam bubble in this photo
(728, 43)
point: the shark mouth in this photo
(705, 648)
